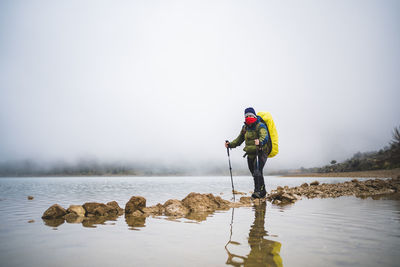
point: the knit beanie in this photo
(250, 112)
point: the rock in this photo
(155, 210)
(174, 207)
(104, 211)
(279, 188)
(55, 211)
(276, 202)
(304, 185)
(136, 213)
(275, 195)
(115, 205)
(30, 197)
(297, 197)
(245, 200)
(77, 209)
(197, 202)
(99, 209)
(222, 204)
(314, 183)
(134, 204)
(288, 198)
(355, 181)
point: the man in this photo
(255, 135)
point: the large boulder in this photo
(76, 209)
(134, 204)
(115, 205)
(197, 202)
(99, 209)
(55, 211)
(174, 207)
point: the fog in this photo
(166, 82)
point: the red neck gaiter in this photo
(250, 120)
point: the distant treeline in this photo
(95, 168)
(91, 167)
(386, 158)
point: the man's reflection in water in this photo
(263, 252)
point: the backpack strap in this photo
(244, 129)
(269, 141)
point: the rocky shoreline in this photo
(362, 189)
(393, 173)
(196, 206)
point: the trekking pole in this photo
(230, 170)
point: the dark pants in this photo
(258, 176)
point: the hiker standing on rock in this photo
(255, 135)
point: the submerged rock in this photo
(55, 211)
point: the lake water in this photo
(345, 231)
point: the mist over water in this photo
(165, 83)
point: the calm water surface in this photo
(346, 231)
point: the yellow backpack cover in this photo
(273, 134)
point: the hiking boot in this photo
(257, 195)
(263, 193)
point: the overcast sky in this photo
(169, 80)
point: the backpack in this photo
(273, 134)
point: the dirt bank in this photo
(394, 173)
